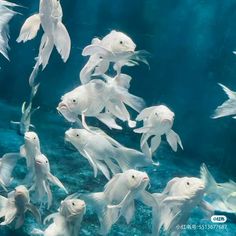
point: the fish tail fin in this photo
(62, 41)
(130, 100)
(209, 181)
(107, 217)
(45, 50)
(173, 139)
(228, 107)
(130, 159)
(29, 29)
(34, 74)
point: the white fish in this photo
(67, 221)
(224, 194)
(228, 108)
(6, 14)
(14, 207)
(115, 47)
(118, 197)
(42, 178)
(104, 153)
(7, 164)
(105, 101)
(30, 150)
(157, 121)
(26, 112)
(55, 34)
(176, 202)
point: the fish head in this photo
(136, 179)
(21, 194)
(71, 105)
(190, 186)
(71, 208)
(32, 138)
(77, 137)
(42, 164)
(120, 42)
(162, 115)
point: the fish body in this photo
(55, 34)
(104, 153)
(157, 121)
(13, 207)
(118, 197)
(42, 180)
(6, 14)
(117, 48)
(176, 202)
(105, 101)
(67, 221)
(224, 194)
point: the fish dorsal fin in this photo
(231, 94)
(96, 41)
(145, 113)
(50, 218)
(111, 184)
(170, 184)
(23, 108)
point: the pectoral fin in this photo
(96, 49)
(35, 212)
(173, 139)
(53, 179)
(29, 29)
(92, 163)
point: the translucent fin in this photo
(173, 139)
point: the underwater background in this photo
(191, 44)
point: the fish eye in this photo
(73, 203)
(100, 57)
(188, 183)
(77, 135)
(74, 100)
(156, 114)
(34, 138)
(121, 42)
(133, 176)
(46, 161)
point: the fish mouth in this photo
(145, 178)
(62, 106)
(38, 162)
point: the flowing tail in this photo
(228, 107)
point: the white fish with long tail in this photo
(223, 194)
(228, 108)
(14, 207)
(42, 179)
(26, 112)
(67, 221)
(7, 165)
(105, 101)
(176, 203)
(29, 150)
(157, 121)
(117, 48)
(6, 14)
(118, 198)
(104, 153)
(55, 34)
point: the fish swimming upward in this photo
(118, 198)
(116, 47)
(104, 153)
(67, 221)
(157, 121)
(228, 108)
(100, 99)
(42, 179)
(14, 207)
(26, 112)
(176, 203)
(223, 194)
(6, 14)
(55, 34)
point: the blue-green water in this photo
(191, 43)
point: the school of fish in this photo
(106, 98)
